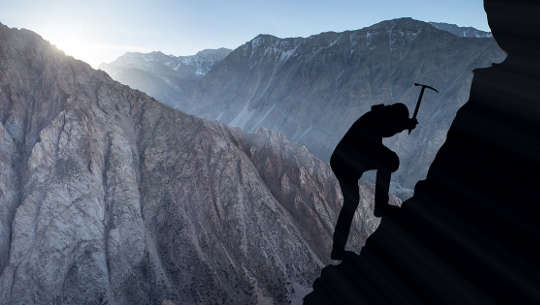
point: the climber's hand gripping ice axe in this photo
(420, 99)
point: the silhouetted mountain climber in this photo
(361, 149)
(470, 233)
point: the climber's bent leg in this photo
(381, 191)
(351, 197)
(388, 163)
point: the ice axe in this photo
(420, 99)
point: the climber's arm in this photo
(411, 124)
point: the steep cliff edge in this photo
(469, 235)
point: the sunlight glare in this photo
(91, 52)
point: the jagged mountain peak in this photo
(265, 36)
(403, 25)
(138, 59)
(131, 57)
(402, 21)
(267, 40)
(465, 32)
(219, 52)
(164, 76)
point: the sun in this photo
(88, 50)
(79, 49)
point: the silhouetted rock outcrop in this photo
(470, 234)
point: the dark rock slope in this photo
(110, 197)
(470, 234)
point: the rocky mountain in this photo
(165, 77)
(110, 197)
(465, 32)
(312, 89)
(186, 67)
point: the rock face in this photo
(165, 77)
(470, 233)
(109, 197)
(312, 89)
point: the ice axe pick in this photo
(420, 99)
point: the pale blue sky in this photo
(99, 31)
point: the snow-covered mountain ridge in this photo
(199, 64)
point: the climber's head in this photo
(396, 119)
(399, 110)
(515, 24)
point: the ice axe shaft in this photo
(420, 99)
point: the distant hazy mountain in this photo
(466, 32)
(110, 197)
(165, 77)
